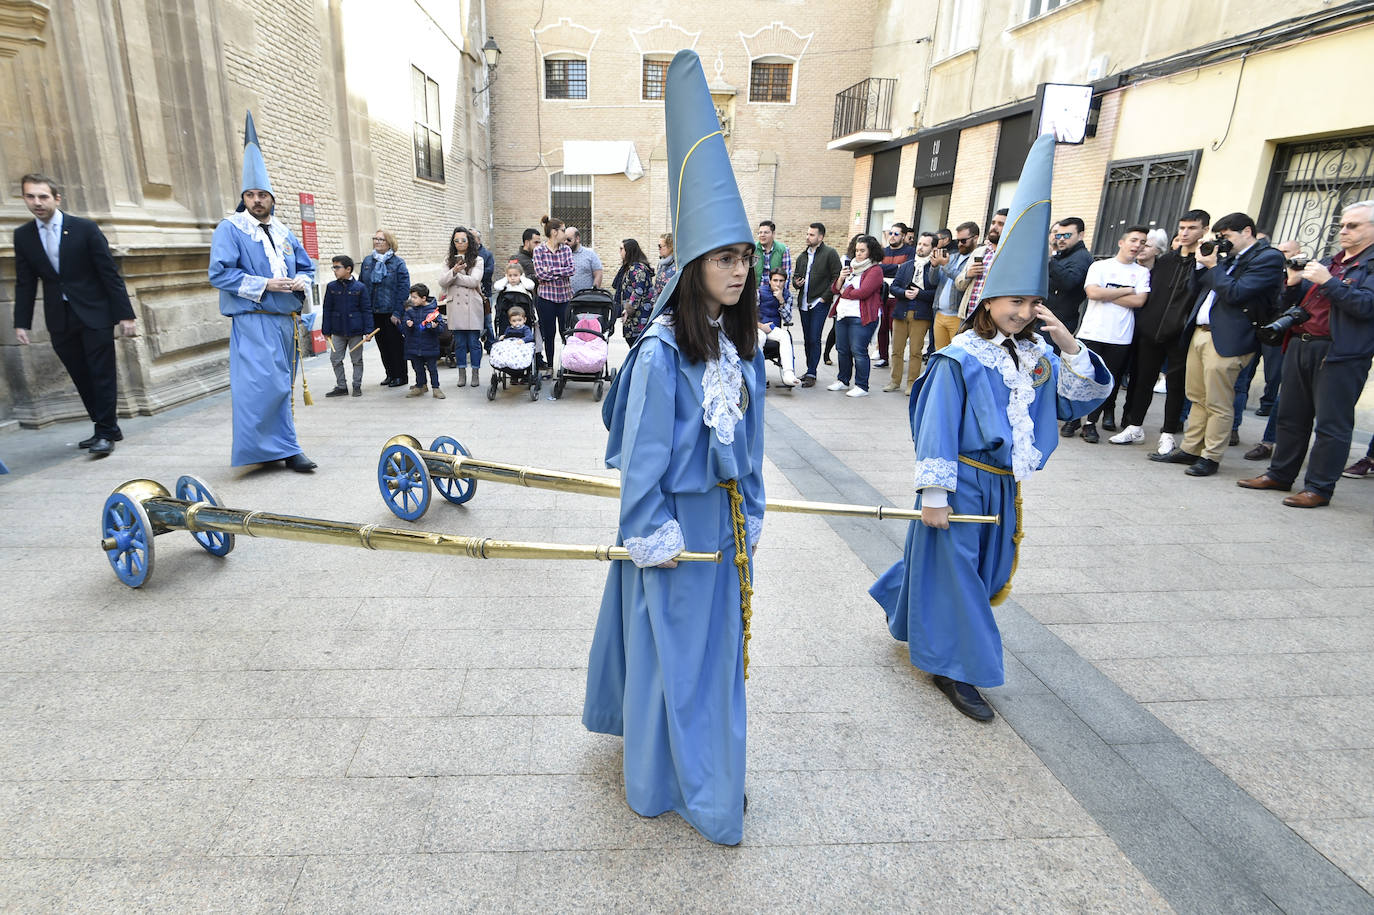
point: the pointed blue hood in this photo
(1021, 266)
(704, 205)
(254, 168)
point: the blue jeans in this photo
(813, 333)
(468, 344)
(851, 342)
(490, 337)
(1243, 380)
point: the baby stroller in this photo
(501, 377)
(772, 351)
(586, 332)
(448, 354)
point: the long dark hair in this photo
(469, 257)
(633, 255)
(696, 337)
(849, 252)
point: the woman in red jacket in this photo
(856, 311)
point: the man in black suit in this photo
(83, 298)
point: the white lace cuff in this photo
(253, 287)
(1076, 381)
(660, 546)
(937, 472)
(753, 531)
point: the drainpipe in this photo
(491, 117)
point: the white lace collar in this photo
(277, 250)
(1025, 457)
(722, 388)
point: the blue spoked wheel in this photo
(193, 490)
(456, 491)
(124, 521)
(404, 482)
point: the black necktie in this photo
(267, 230)
(1010, 346)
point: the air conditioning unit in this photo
(1097, 68)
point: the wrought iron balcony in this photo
(863, 114)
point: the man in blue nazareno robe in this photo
(984, 417)
(259, 267)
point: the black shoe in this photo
(300, 463)
(101, 447)
(1235, 437)
(1090, 434)
(357, 390)
(1202, 467)
(1177, 456)
(1263, 410)
(337, 392)
(1070, 428)
(88, 442)
(965, 697)
(1108, 422)
(396, 383)
(385, 382)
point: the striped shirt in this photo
(554, 270)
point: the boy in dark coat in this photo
(422, 324)
(346, 316)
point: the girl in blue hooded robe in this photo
(982, 422)
(668, 658)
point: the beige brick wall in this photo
(973, 175)
(1079, 170)
(778, 151)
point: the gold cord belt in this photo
(1005, 590)
(746, 587)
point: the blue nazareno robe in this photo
(262, 341)
(666, 669)
(970, 403)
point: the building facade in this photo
(137, 108)
(578, 112)
(1193, 106)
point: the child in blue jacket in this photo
(422, 323)
(346, 316)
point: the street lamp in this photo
(491, 53)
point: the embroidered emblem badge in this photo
(743, 398)
(1041, 373)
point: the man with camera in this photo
(1329, 325)
(1236, 294)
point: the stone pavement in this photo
(1187, 724)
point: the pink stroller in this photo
(586, 334)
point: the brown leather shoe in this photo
(1264, 481)
(1307, 499)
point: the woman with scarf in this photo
(667, 263)
(387, 280)
(685, 416)
(461, 286)
(634, 288)
(856, 311)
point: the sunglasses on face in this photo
(1063, 235)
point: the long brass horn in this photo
(139, 510)
(406, 470)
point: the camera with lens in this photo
(1222, 246)
(1272, 334)
(1297, 263)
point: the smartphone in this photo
(978, 259)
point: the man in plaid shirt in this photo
(977, 269)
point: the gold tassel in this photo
(1005, 591)
(746, 587)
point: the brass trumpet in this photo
(406, 470)
(139, 510)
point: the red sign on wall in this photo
(309, 237)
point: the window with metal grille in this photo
(1153, 191)
(1310, 185)
(770, 82)
(565, 78)
(429, 138)
(570, 199)
(655, 77)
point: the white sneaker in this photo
(836, 386)
(1166, 443)
(790, 379)
(1160, 387)
(1131, 435)
(856, 391)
